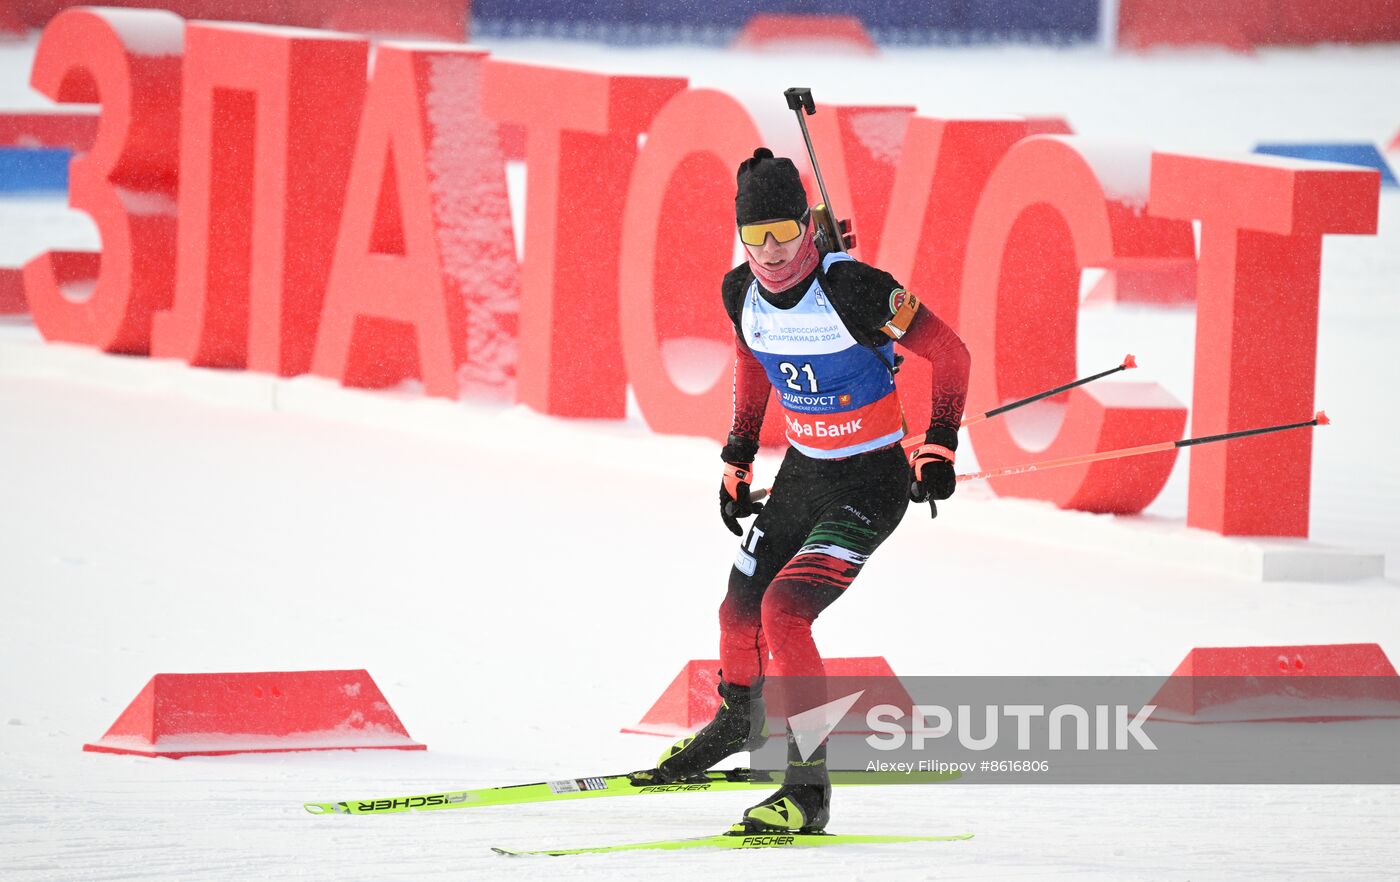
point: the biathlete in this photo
(820, 329)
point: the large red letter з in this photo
(129, 60)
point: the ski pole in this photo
(799, 100)
(1128, 363)
(1319, 420)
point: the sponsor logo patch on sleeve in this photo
(903, 307)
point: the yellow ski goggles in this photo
(781, 230)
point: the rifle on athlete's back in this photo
(832, 235)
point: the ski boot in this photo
(801, 805)
(741, 724)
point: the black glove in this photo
(734, 501)
(931, 463)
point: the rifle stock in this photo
(831, 235)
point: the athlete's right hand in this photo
(734, 499)
(931, 468)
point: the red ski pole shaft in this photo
(1319, 420)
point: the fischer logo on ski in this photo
(767, 841)
(409, 803)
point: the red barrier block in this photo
(425, 222)
(179, 715)
(677, 341)
(691, 700)
(129, 61)
(1394, 145)
(73, 131)
(258, 217)
(581, 142)
(1321, 660)
(767, 31)
(1239, 683)
(1262, 223)
(1053, 206)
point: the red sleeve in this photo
(751, 391)
(930, 337)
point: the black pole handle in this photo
(800, 99)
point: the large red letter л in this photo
(267, 124)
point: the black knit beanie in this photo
(769, 188)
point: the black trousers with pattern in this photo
(823, 522)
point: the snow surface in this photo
(521, 592)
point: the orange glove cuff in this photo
(736, 474)
(926, 452)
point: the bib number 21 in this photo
(792, 372)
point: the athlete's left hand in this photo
(931, 463)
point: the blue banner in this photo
(716, 22)
(26, 170)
